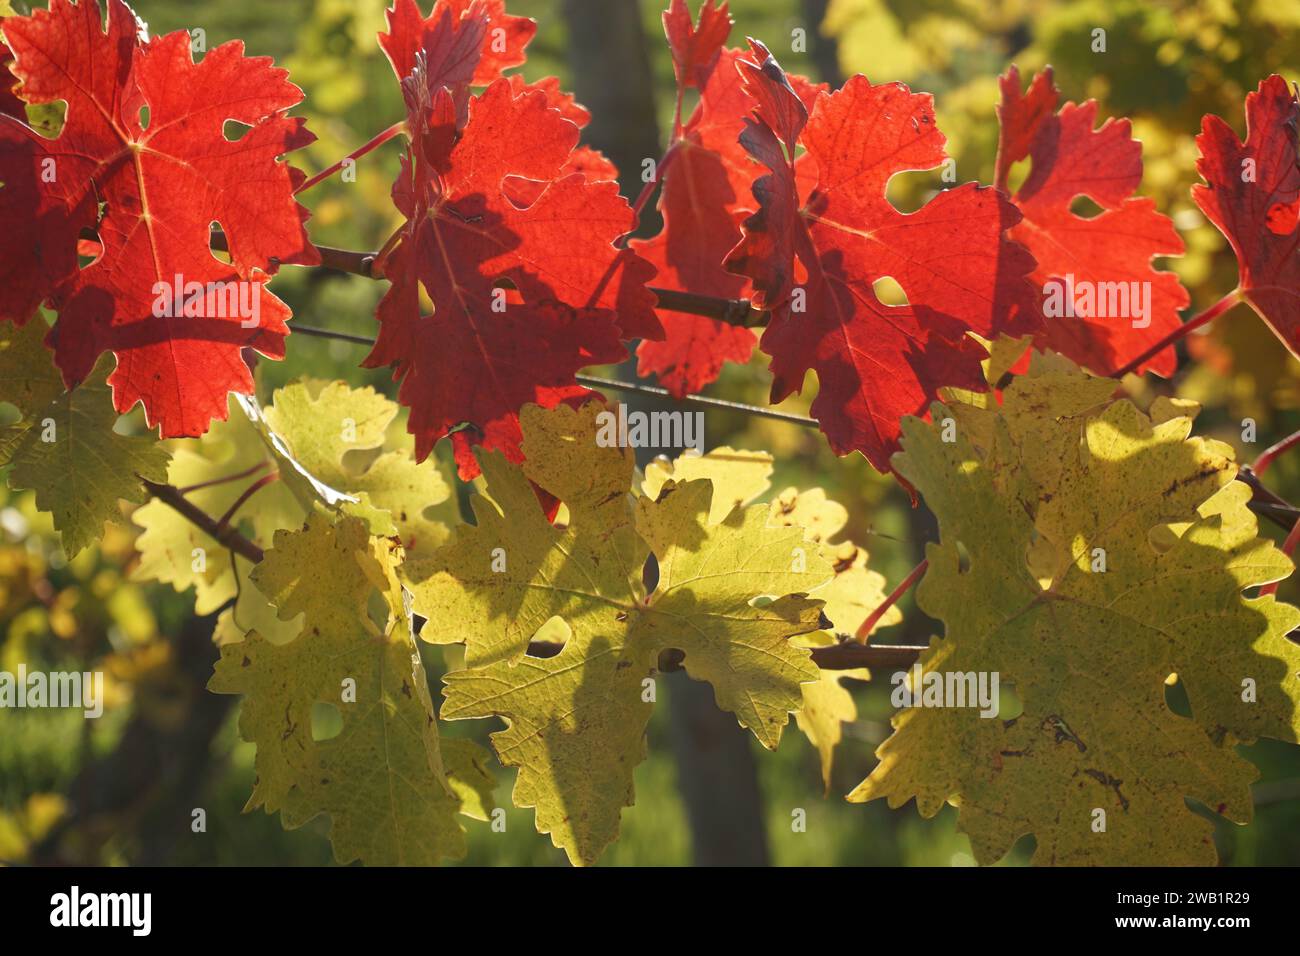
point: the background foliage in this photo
(1165, 66)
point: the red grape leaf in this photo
(1108, 257)
(1020, 116)
(876, 363)
(1252, 192)
(502, 47)
(523, 295)
(705, 196)
(10, 104)
(446, 50)
(556, 98)
(695, 48)
(591, 163)
(149, 193)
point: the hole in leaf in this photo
(1176, 696)
(426, 303)
(1017, 175)
(889, 291)
(1085, 208)
(1010, 706)
(963, 558)
(217, 242)
(89, 248)
(909, 190)
(47, 118)
(144, 117)
(549, 639)
(234, 131)
(326, 722)
(800, 272)
(650, 574)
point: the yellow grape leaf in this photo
(827, 706)
(575, 721)
(63, 446)
(327, 444)
(1004, 353)
(1047, 575)
(174, 551)
(738, 476)
(466, 764)
(851, 595)
(381, 779)
(336, 435)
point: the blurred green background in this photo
(1164, 66)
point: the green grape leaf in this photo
(470, 778)
(381, 779)
(332, 447)
(63, 445)
(1085, 556)
(575, 721)
(176, 552)
(739, 477)
(851, 595)
(337, 435)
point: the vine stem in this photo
(595, 381)
(904, 586)
(648, 189)
(731, 311)
(1266, 459)
(225, 479)
(836, 657)
(1205, 318)
(227, 537)
(1266, 503)
(846, 656)
(1288, 548)
(375, 143)
(224, 521)
(850, 655)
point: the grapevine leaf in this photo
(576, 721)
(591, 163)
(331, 447)
(64, 445)
(572, 294)
(381, 779)
(875, 363)
(174, 551)
(1119, 561)
(9, 101)
(1252, 193)
(851, 595)
(1109, 254)
(705, 194)
(468, 775)
(739, 477)
(500, 44)
(695, 46)
(338, 435)
(149, 189)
